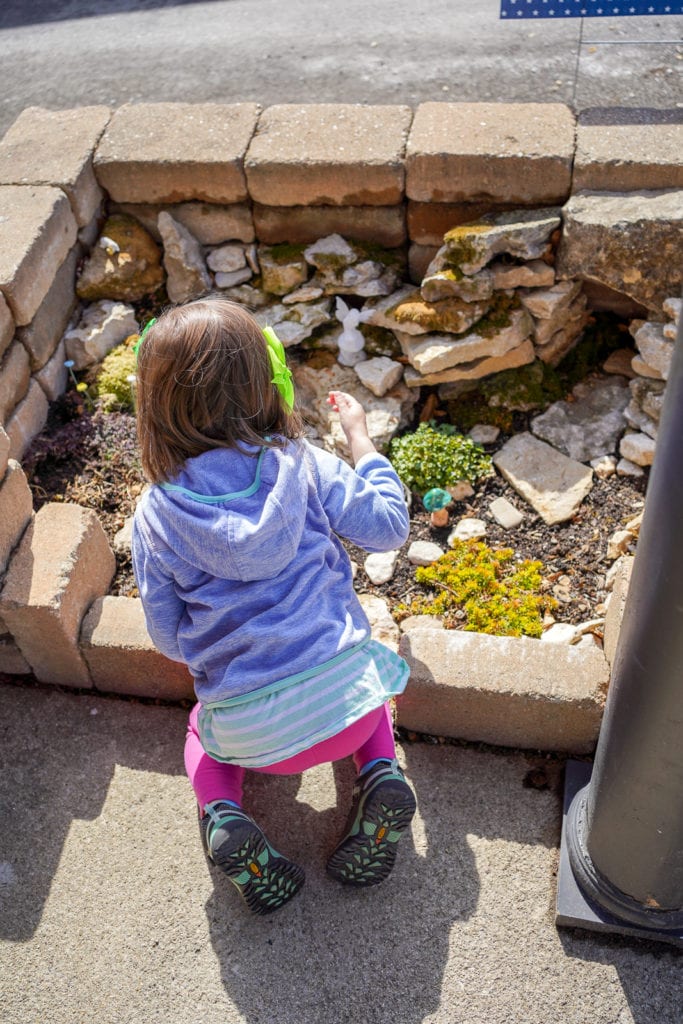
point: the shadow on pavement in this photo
(17, 12)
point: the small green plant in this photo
(115, 381)
(437, 456)
(483, 590)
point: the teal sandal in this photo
(234, 843)
(382, 809)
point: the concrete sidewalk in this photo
(109, 912)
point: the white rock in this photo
(553, 484)
(380, 566)
(379, 374)
(307, 293)
(227, 258)
(483, 433)
(102, 326)
(618, 544)
(382, 625)
(559, 633)
(233, 278)
(627, 468)
(468, 529)
(332, 250)
(672, 307)
(505, 513)
(638, 448)
(604, 467)
(655, 349)
(424, 552)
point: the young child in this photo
(243, 578)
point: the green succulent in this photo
(437, 456)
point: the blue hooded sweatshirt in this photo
(240, 570)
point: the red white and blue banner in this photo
(586, 8)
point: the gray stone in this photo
(424, 552)
(649, 395)
(547, 303)
(382, 310)
(247, 295)
(379, 374)
(307, 293)
(446, 283)
(102, 326)
(187, 276)
(591, 424)
(672, 307)
(330, 253)
(233, 278)
(434, 352)
(518, 356)
(227, 258)
(567, 323)
(629, 469)
(484, 433)
(644, 369)
(505, 513)
(280, 276)
(639, 420)
(632, 243)
(521, 233)
(295, 323)
(654, 347)
(551, 483)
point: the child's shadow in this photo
(338, 953)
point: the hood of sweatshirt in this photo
(234, 515)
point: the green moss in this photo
(531, 387)
(483, 589)
(461, 245)
(285, 253)
(380, 342)
(441, 315)
(604, 334)
(392, 259)
(112, 384)
(437, 457)
(498, 316)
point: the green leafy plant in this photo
(437, 456)
(115, 381)
(483, 590)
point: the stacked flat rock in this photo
(655, 344)
(488, 302)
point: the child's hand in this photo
(353, 423)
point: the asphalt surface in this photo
(109, 912)
(70, 53)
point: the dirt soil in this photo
(90, 458)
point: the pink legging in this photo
(366, 740)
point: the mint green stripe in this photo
(210, 499)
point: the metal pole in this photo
(624, 830)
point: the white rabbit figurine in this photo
(351, 341)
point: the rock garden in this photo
(521, 420)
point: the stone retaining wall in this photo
(384, 174)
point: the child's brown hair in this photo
(204, 381)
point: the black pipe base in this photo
(574, 909)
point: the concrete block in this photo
(209, 223)
(337, 154)
(617, 155)
(55, 147)
(16, 510)
(53, 377)
(41, 337)
(616, 607)
(6, 325)
(429, 222)
(171, 152)
(37, 231)
(509, 691)
(12, 661)
(62, 564)
(27, 420)
(122, 658)
(4, 451)
(300, 225)
(15, 374)
(508, 152)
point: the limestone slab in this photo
(55, 147)
(62, 564)
(507, 152)
(41, 337)
(589, 425)
(626, 157)
(631, 243)
(121, 656)
(37, 231)
(338, 154)
(509, 691)
(174, 152)
(551, 483)
(299, 225)
(432, 353)
(484, 367)
(16, 509)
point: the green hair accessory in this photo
(143, 333)
(282, 375)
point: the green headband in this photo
(282, 375)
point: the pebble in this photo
(424, 552)
(468, 529)
(618, 544)
(627, 468)
(380, 567)
(604, 467)
(483, 433)
(559, 633)
(505, 513)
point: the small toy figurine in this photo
(351, 341)
(436, 502)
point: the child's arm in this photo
(162, 607)
(353, 423)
